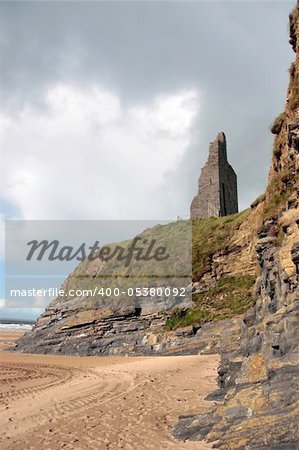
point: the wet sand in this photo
(54, 402)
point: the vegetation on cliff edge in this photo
(212, 235)
(230, 296)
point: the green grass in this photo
(206, 236)
(230, 296)
(176, 237)
(278, 123)
(279, 191)
(211, 235)
(257, 201)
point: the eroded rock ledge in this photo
(86, 333)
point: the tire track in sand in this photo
(131, 405)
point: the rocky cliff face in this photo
(258, 398)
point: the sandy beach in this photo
(55, 402)
(8, 338)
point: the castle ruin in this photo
(217, 185)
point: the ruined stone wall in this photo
(207, 202)
(217, 185)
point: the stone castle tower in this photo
(217, 185)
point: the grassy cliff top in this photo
(210, 236)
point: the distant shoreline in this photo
(17, 321)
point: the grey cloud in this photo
(235, 53)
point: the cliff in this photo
(257, 404)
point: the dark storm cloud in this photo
(235, 53)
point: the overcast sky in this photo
(107, 108)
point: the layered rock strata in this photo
(257, 404)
